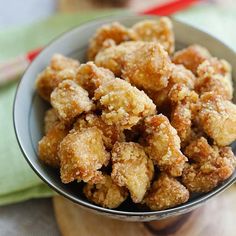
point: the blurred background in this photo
(20, 12)
(36, 217)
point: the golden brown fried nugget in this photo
(123, 104)
(182, 110)
(115, 31)
(179, 74)
(106, 194)
(90, 77)
(59, 69)
(217, 117)
(82, 154)
(112, 58)
(166, 192)
(144, 64)
(60, 62)
(156, 31)
(191, 57)
(163, 145)
(111, 133)
(132, 168)
(211, 166)
(49, 144)
(148, 67)
(215, 75)
(70, 100)
(50, 119)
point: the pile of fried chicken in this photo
(139, 119)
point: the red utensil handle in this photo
(169, 8)
(12, 68)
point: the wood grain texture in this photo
(216, 217)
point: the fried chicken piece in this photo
(160, 31)
(132, 168)
(106, 194)
(160, 98)
(166, 192)
(144, 64)
(211, 166)
(59, 69)
(191, 57)
(215, 75)
(60, 62)
(70, 100)
(90, 77)
(163, 145)
(112, 58)
(48, 146)
(179, 74)
(82, 154)
(182, 111)
(217, 117)
(148, 67)
(50, 119)
(115, 31)
(111, 133)
(123, 104)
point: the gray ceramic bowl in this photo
(29, 112)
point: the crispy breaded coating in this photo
(70, 100)
(160, 31)
(111, 133)
(60, 62)
(181, 120)
(132, 168)
(90, 77)
(115, 31)
(49, 144)
(123, 104)
(82, 154)
(59, 69)
(217, 117)
(191, 57)
(144, 64)
(148, 67)
(112, 58)
(160, 98)
(215, 75)
(163, 145)
(200, 151)
(182, 111)
(179, 74)
(211, 166)
(166, 192)
(138, 120)
(50, 119)
(106, 194)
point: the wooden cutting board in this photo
(217, 218)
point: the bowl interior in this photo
(29, 111)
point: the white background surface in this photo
(19, 12)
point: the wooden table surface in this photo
(214, 218)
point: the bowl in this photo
(29, 111)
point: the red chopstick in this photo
(32, 54)
(10, 69)
(169, 8)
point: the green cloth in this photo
(17, 181)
